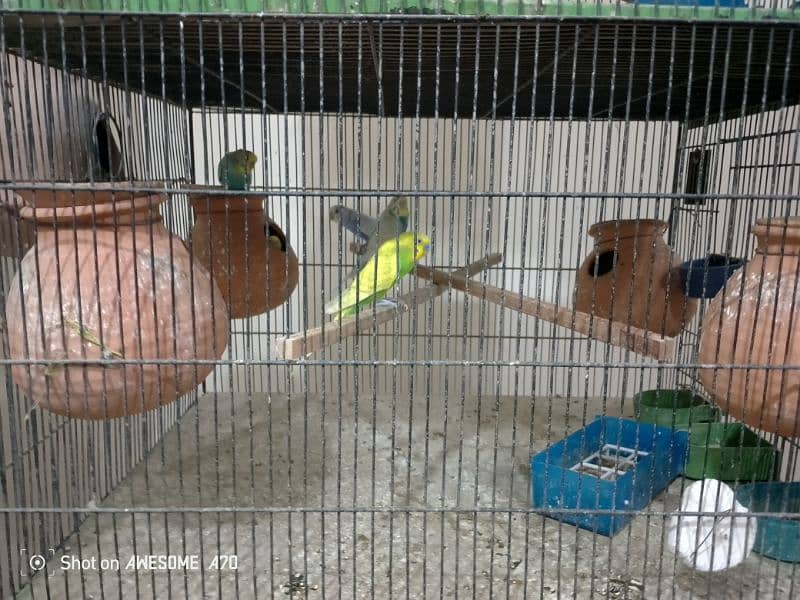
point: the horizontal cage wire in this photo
(400, 299)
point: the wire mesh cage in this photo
(417, 299)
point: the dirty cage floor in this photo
(297, 451)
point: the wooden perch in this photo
(300, 344)
(598, 328)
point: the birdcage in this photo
(503, 308)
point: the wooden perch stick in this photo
(300, 344)
(598, 328)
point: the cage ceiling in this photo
(545, 67)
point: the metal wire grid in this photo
(595, 8)
(758, 154)
(472, 358)
(230, 58)
(48, 460)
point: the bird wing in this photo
(357, 223)
(377, 276)
(390, 231)
(393, 220)
(388, 225)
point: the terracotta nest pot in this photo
(106, 280)
(631, 277)
(16, 235)
(755, 320)
(246, 252)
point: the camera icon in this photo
(37, 562)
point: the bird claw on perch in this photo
(395, 303)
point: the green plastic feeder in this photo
(678, 408)
(777, 537)
(729, 452)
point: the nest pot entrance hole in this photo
(108, 144)
(603, 263)
(273, 232)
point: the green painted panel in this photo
(436, 7)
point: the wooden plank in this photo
(615, 333)
(305, 342)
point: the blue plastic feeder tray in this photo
(611, 464)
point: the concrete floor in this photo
(279, 452)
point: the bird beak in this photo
(427, 247)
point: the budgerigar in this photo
(394, 259)
(235, 170)
(275, 237)
(371, 232)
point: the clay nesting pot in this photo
(629, 277)
(106, 280)
(755, 319)
(246, 252)
(16, 235)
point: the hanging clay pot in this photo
(246, 252)
(755, 319)
(106, 280)
(16, 235)
(629, 277)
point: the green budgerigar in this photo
(394, 259)
(235, 170)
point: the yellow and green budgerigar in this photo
(394, 259)
(235, 170)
